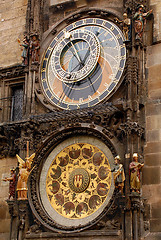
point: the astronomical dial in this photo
(83, 64)
(70, 62)
(76, 183)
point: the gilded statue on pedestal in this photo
(135, 169)
(119, 175)
(24, 171)
(126, 26)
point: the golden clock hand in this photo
(76, 53)
(82, 63)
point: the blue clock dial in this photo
(83, 64)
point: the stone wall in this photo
(156, 6)
(12, 27)
(152, 169)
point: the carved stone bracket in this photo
(8, 134)
(15, 71)
(131, 70)
(91, 12)
(135, 201)
(134, 127)
(13, 208)
(38, 128)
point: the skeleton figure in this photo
(126, 26)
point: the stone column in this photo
(13, 210)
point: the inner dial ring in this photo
(78, 181)
(84, 61)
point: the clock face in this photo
(76, 184)
(83, 64)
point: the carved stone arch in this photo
(107, 14)
(34, 196)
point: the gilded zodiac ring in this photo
(78, 181)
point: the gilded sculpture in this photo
(135, 169)
(24, 172)
(126, 26)
(119, 175)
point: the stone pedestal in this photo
(85, 235)
(19, 219)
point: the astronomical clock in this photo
(81, 67)
(83, 64)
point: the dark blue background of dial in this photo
(84, 88)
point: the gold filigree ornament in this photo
(78, 180)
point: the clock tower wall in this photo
(115, 121)
(12, 27)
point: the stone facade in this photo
(12, 27)
(152, 170)
(15, 20)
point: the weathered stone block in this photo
(153, 159)
(153, 109)
(149, 191)
(4, 193)
(4, 236)
(12, 27)
(151, 122)
(20, 3)
(156, 210)
(151, 175)
(155, 94)
(156, 6)
(3, 210)
(153, 147)
(155, 225)
(153, 55)
(4, 225)
(154, 122)
(153, 136)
